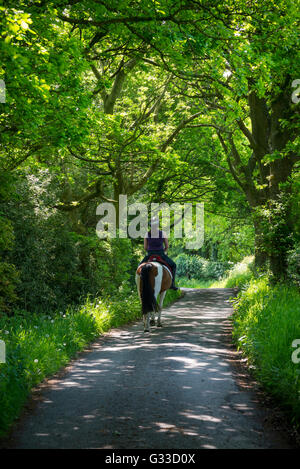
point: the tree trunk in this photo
(281, 233)
(271, 204)
(260, 251)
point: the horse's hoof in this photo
(152, 322)
(159, 324)
(146, 330)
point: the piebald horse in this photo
(152, 279)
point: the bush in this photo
(58, 264)
(196, 267)
(293, 270)
(8, 281)
(188, 266)
(214, 270)
(239, 275)
(8, 274)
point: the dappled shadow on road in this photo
(172, 388)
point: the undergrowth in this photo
(239, 276)
(266, 324)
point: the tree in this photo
(138, 90)
(42, 68)
(135, 119)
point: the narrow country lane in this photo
(172, 389)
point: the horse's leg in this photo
(147, 322)
(152, 320)
(152, 315)
(161, 301)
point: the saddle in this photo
(157, 258)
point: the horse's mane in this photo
(147, 292)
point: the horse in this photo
(152, 279)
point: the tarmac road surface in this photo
(173, 388)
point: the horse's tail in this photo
(147, 292)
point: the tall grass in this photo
(239, 276)
(266, 321)
(38, 345)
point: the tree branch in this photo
(232, 169)
(247, 134)
(181, 125)
(117, 20)
(96, 189)
(110, 99)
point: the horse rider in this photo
(156, 242)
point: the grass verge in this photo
(266, 324)
(194, 283)
(37, 346)
(239, 276)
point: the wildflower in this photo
(36, 360)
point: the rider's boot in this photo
(173, 287)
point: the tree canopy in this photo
(164, 101)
